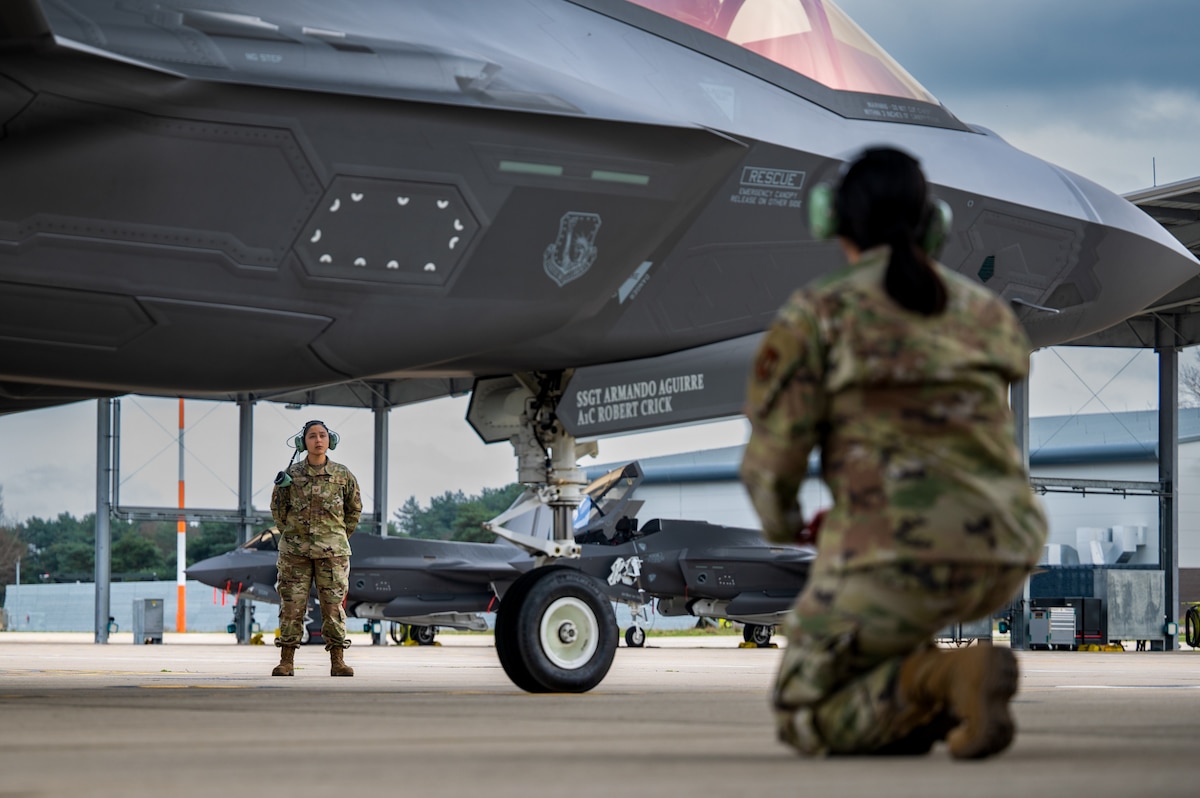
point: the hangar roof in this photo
(1053, 440)
(1176, 207)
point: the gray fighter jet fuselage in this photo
(420, 191)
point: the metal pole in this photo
(103, 566)
(381, 469)
(378, 634)
(243, 611)
(1018, 397)
(1019, 400)
(116, 456)
(181, 543)
(1168, 467)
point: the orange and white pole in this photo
(181, 544)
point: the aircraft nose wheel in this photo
(424, 635)
(555, 632)
(757, 634)
(635, 637)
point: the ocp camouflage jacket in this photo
(911, 416)
(318, 512)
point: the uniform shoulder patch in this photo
(766, 362)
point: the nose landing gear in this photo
(555, 628)
(555, 632)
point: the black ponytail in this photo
(883, 199)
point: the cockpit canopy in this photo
(812, 37)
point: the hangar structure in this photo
(1171, 324)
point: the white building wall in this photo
(1188, 490)
(724, 503)
(1069, 513)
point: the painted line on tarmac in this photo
(1128, 686)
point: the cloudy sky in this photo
(1109, 90)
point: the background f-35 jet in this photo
(673, 567)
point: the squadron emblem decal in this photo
(574, 251)
(625, 571)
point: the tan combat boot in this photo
(287, 656)
(974, 686)
(338, 666)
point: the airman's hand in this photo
(807, 535)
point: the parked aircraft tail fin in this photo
(22, 21)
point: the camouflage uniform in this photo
(316, 515)
(933, 520)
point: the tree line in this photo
(454, 515)
(63, 549)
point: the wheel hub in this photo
(569, 633)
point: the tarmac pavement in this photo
(201, 716)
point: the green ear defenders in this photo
(283, 478)
(298, 441)
(823, 223)
(937, 230)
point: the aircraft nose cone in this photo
(1131, 260)
(214, 571)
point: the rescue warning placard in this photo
(769, 188)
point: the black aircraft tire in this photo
(505, 635)
(1191, 627)
(566, 632)
(635, 637)
(757, 634)
(424, 635)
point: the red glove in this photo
(807, 536)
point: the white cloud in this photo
(1069, 380)
(1111, 136)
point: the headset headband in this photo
(298, 441)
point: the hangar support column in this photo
(243, 611)
(103, 567)
(1167, 347)
(381, 465)
(380, 408)
(1018, 398)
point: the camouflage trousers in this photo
(850, 631)
(296, 577)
